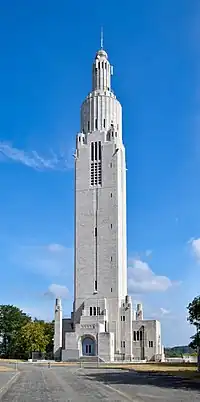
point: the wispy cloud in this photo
(164, 311)
(195, 247)
(51, 260)
(142, 279)
(56, 290)
(62, 161)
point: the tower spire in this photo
(101, 37)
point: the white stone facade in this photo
(103, 323)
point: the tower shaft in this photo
(100, 196)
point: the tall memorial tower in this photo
(100, 197)
(103, 323)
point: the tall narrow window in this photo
(104, 123)
(95, 311)
(88, 125)
(96, 125)
(95, 285)
(92, 164)
(134, 335)
(98, 310)
(92, 151)
(99, 150)
(95, 232)
(138, 337)
(90, 310)
(108, 136)
(95, 153)
(96, 164)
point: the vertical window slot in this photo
(92, 151)
(100, 150)
(95, 154)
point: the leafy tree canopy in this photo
(32, 337)
(194, 311)
(20, 335)
(11, 321)
(194, 318)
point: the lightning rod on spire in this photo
(101, 37)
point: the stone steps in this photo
(92, 359)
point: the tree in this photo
(194, 318)
(49, 332)
(12, 319)
(194, 311)
(32, 338)
(194, 342)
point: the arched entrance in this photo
(88, 346)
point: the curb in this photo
(5, 387)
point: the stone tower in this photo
(58, 329)
(103, 324)
(100, 199)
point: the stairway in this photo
(91, 359)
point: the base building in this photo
(103, 324)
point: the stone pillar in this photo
(139, 312)
(58, 330)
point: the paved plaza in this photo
(40, 383)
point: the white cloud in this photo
(56, 248)
(51, 260)
(142, 279)
(164, 311)
(33, 160)
(195, 246)
(56, 290)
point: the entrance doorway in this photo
(88, 347)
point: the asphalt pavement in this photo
(77, 384)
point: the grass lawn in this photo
(11, 361)
(5, 368)
(183, 370)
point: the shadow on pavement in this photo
(143, 378)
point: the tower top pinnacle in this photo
(101, 38)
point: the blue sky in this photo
(47, 50)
